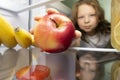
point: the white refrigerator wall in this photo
(14, 18)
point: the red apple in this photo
(34, 72)
(54, 33)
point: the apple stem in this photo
(54, 22)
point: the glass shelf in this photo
(94, 49)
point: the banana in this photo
(23, 37)
(33, 41)
(0, 42)
(7, 34)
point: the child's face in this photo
(87, 18)
(88, 67)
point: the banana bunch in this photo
(7, 34)
(23, 37)
(10, 36)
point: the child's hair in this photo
(103, 25)
(115, 70)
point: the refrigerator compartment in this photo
(17, 16)
(22, 17)
(62, 65)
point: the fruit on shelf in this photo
(23, 37)
(54, 33)
(7, 34)
(33, 72)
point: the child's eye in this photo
(92, 70)
(80, 17)
(93, 15)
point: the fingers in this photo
(76, 40)
(52, 11)
(49, 11)
(77, 34)
(32, 30)
(37, 18)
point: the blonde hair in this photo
(115, 70)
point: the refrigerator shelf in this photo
(94, 49)
(88, 49)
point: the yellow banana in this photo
(0, 41)
(33, 41)
(7, 34)
(23, 37)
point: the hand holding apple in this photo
(54, 32)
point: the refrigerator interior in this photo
(63, 65)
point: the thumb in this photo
(32, 30)
(77, 34)
(37, 18)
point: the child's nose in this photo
(87, 20)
